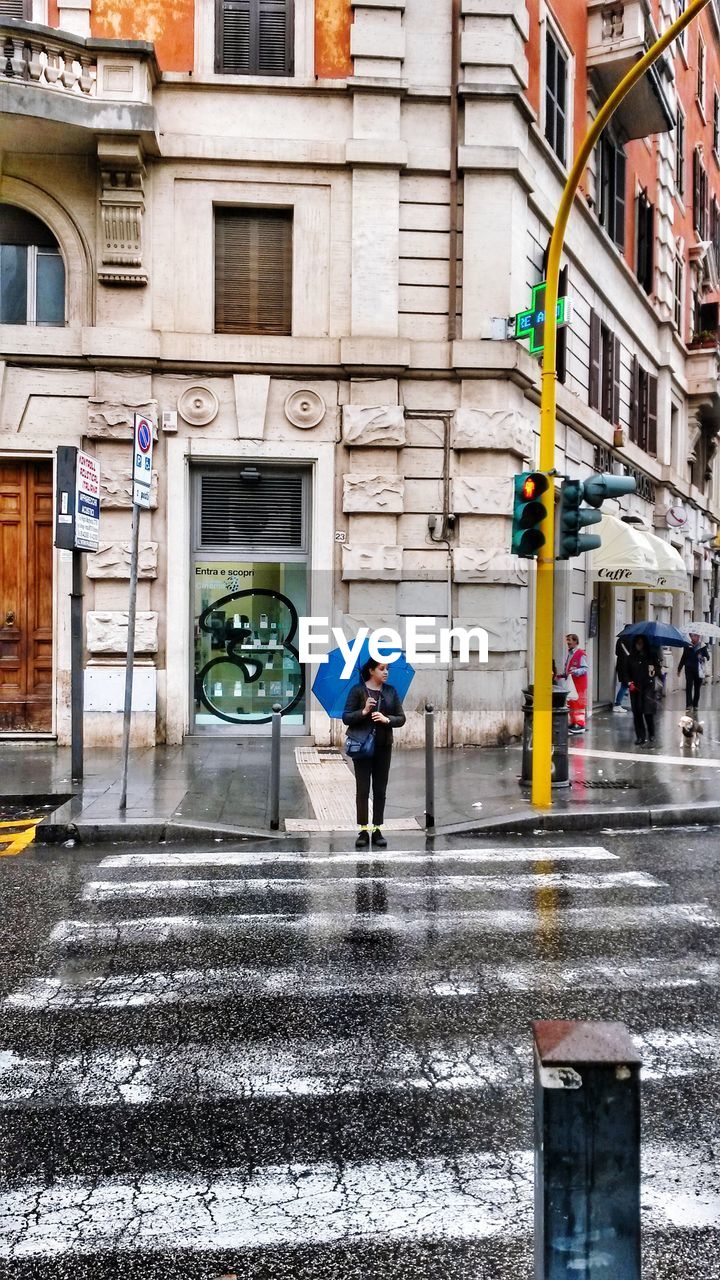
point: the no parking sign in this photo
(142, 460)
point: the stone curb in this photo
(148, 832)
(589, 820)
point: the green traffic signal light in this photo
(529, 511)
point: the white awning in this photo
(672, 574)
(632, 557)
(626, 558)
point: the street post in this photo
(142, 485)
(77, 530)
(545, 583)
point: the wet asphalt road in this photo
(315, 1066)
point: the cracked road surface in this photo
(306, 1064)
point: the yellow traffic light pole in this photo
(544, 601)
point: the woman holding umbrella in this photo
(373, 709)
(643, 671)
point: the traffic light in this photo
(573, 517)
(529, 511)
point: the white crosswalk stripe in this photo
(311, 1068)
(159, 930)
(470, 1197)
(411, 857)
(113, 890)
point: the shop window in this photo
(556, 95)
(32, 272)
(680, 154)
(645, 241)
(604, 370)
(611, 183)
(250, 588)
(253, 271)
(643, 408)
(254, 37)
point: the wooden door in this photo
(26, 568)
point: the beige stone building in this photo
(304, 280)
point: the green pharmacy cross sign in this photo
(531, 324)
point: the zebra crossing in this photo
(285, 1062)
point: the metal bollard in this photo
(587, 1151)
(275, 767)
(429, 766)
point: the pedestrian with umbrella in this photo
(372, 711)
(643, 673)
(695, 657)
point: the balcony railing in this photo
(53, 63)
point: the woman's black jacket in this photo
(390, 706)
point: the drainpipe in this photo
(454, 139)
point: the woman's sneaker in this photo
(378, 839)
(363, 839)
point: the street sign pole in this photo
(77, 692)
(142, 486)
(132, 609)
(545, 586)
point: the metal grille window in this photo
(645, 240)
(556, 77)
(254, 37)
(15, 8)
(611, 181)
(253, 271)
(32, 272)
(252, 510)
(680, 154)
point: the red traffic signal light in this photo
(530, 509)
(529, 488)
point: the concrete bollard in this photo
(275, 767)
(429, 766)
(587, 1152)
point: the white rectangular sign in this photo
(87, 503)
(142, 459)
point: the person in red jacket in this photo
(576, 665)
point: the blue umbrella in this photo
(331, 690)
(656, 633)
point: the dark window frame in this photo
(604, 370)
(700, 195)
(644, 240)
(643, 408)
(680, 154)
(34, 243)
(716, 124)
(678, 291)
(701, 84)
(612, 188)
(255, 9)
(557, 82)
(245, 307)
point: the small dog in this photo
(691, 730)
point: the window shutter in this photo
(594, 365)
(252, 515)
(696, 190)
(255, 37)
(14, 9)
(617, 357)
(253, 271)
(635, 400)
(561, 344)
(652, 396)
(275, 38)
(618, 232)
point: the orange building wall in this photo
(169, 24)
(333, 19)
(53, 16)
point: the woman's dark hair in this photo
(368, 667)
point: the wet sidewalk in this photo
(221, 785)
